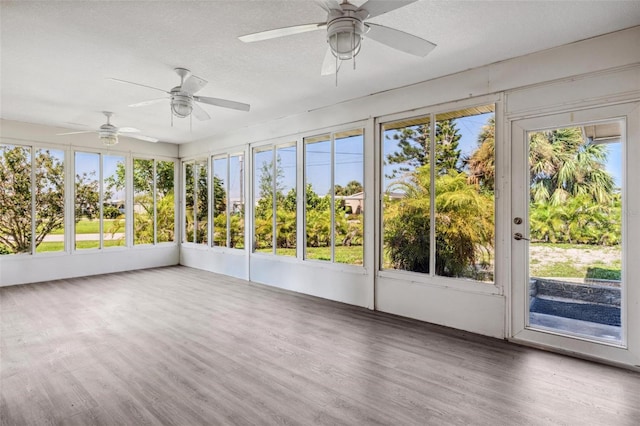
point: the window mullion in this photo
(274, 179)
(333, 197)
(432, 196)
(33, 200)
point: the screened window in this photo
(99, 201)
(438, 205)
(275, 193)
(153, 201)
(228, 201)
(334, 197)
(31, 206)
(196, 202)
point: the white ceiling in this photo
(56, 56)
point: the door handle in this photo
(518, 236)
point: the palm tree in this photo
(464, 225)
(564, 165)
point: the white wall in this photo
(20, 269)
(474, 307)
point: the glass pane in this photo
(202, 201)
(189, 204)
(406, 181)
(220, 202)
(349, 197)
(165, 201)
(15, 199)
(464, 198)
(142, 201)
(318, 197)
(286, 194)
(263, 199)
(236, 200)
(113, 214)
(49, 186)
(87, 201)
(575, 230)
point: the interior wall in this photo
(478, 309)
(26, 268)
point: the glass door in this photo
(568, 203)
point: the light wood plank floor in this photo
(186, 347)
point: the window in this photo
(153, 201)
(196, 202)
(275, 193)
(99, 201)
(228, 201)
(334, 197)
(25, 196)
(438, 206)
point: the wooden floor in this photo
(186, 347)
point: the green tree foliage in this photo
(413, 143)
(352, 187)
(87, 196)
(464, 225)
(15, 197)
(564, 165)
(481, 164)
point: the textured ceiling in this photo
(56, 55)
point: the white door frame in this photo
(628, 352)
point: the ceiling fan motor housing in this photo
(345, 29)
(181, 102)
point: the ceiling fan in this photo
(347, 26)
(182, 97)
(109, 133)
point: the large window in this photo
(99, 201)
(438, 206)
(153, 201)
(228, 201)
(334, 193)
(196, 190)
(25, 196)
(275, 193)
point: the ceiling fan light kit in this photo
(345, 30)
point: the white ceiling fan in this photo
(109, 133)
(182, 97)
(346, 26)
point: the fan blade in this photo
(136, 84)
(400, 40)
(142, 138)
(331, 64)
(128, 130)
(378, 7)
(281, 32)
(76, 133)
(222, 103)
(193, 84)
(329, 5)
(200, 113)
(145, 103)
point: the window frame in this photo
(500, 209)
(332, 132)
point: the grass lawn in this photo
(351, 255)
(575, 261)
(86, 226)
(59, 246)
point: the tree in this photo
(481, 163)
(352, 187)
(464, 225)
(15, 197)
(563, 165)
(413, 144)
(87, 196)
